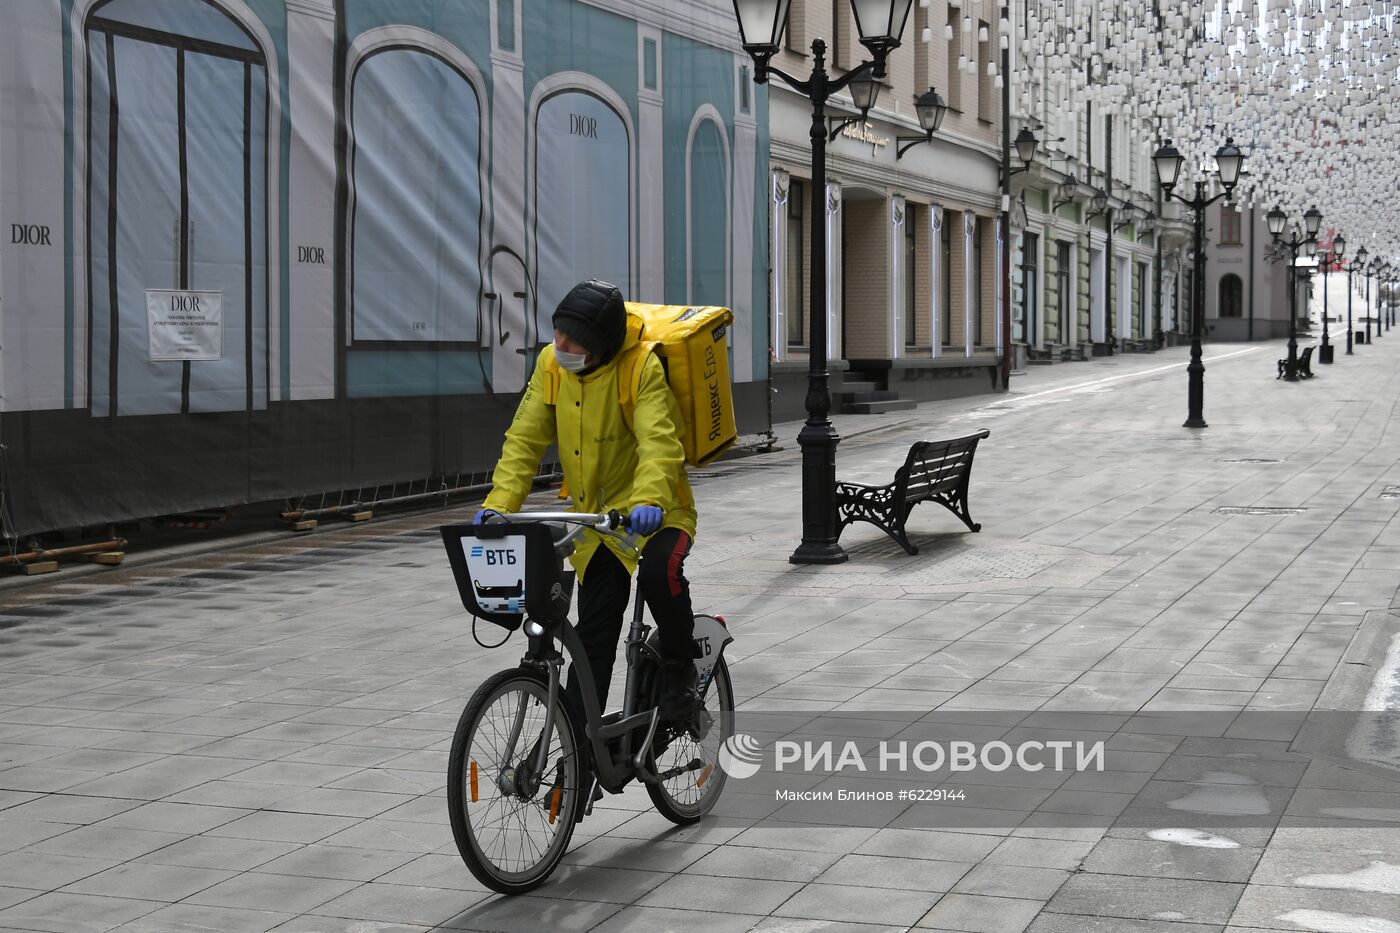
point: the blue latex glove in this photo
(646, 519)
(481, 516)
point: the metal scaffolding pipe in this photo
(304, 514)
(29, 557)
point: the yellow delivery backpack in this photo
(693, 343)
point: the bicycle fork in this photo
(511, 781)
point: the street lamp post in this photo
(1390, 302)
(1370, 266)
(1324, 265)
(880, 24)
(1358, 260)
(1385, 295)
(1380, 314)
(1228, 162)
(1312, 220)
(1339, 249)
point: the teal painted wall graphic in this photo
(386, 199)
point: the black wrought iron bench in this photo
(935, 471)
(1304, 364)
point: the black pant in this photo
(604, 599)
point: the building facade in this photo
(1100, 260)
(913, 240)
(289, 246)
(1246, 277)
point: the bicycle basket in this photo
(505, 573)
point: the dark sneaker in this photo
(679, 693)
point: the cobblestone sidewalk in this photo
(256, 739)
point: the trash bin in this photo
(1360, 337)
(1324, 353)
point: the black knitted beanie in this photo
(593, 315)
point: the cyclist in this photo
(607, 466)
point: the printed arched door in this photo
(416, 216)
(583, 201)
(178, 169)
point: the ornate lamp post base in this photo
(818, 440)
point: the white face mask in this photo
(573, 362)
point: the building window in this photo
(911, 308)
(945, 267)
(840, 30)
(1030, 280)
(1230, 226)
(954, 56)
(978, 229)
(1063, 280)
(1144, 306)
(921, 49)
(793, 29)
(1231, 296)
(796, 240)
(986, 99)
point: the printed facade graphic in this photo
(387, 200)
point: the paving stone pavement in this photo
(256, 739)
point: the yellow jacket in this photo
(605, 465)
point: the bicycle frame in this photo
(613, 772)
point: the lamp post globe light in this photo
(1297, 239)
(880, 25)
(1229, 161)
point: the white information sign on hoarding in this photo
(185, 325)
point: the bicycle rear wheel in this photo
(689, 764)
(512, 826)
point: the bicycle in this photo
(515, 776)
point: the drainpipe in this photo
(1109, 302)
(1006, 209)
(1089, 180)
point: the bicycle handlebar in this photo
(605, 523)
(598, 521)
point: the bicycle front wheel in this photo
(689, 764)
(512, 820)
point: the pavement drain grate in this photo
(1248, 460)
(1257, 510)
(1390, 492)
